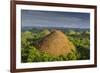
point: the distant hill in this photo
(38, 29)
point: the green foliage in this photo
(82, 43)
(35, 55)
(29, 53)
(71, 32)
(24, 38)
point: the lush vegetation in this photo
(29, 53)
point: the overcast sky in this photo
(36, 18)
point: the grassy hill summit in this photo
(56, 43)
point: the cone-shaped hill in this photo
(56, 43)
(45, 32)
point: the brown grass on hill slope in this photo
(56, 43)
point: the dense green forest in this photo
(29, 53)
